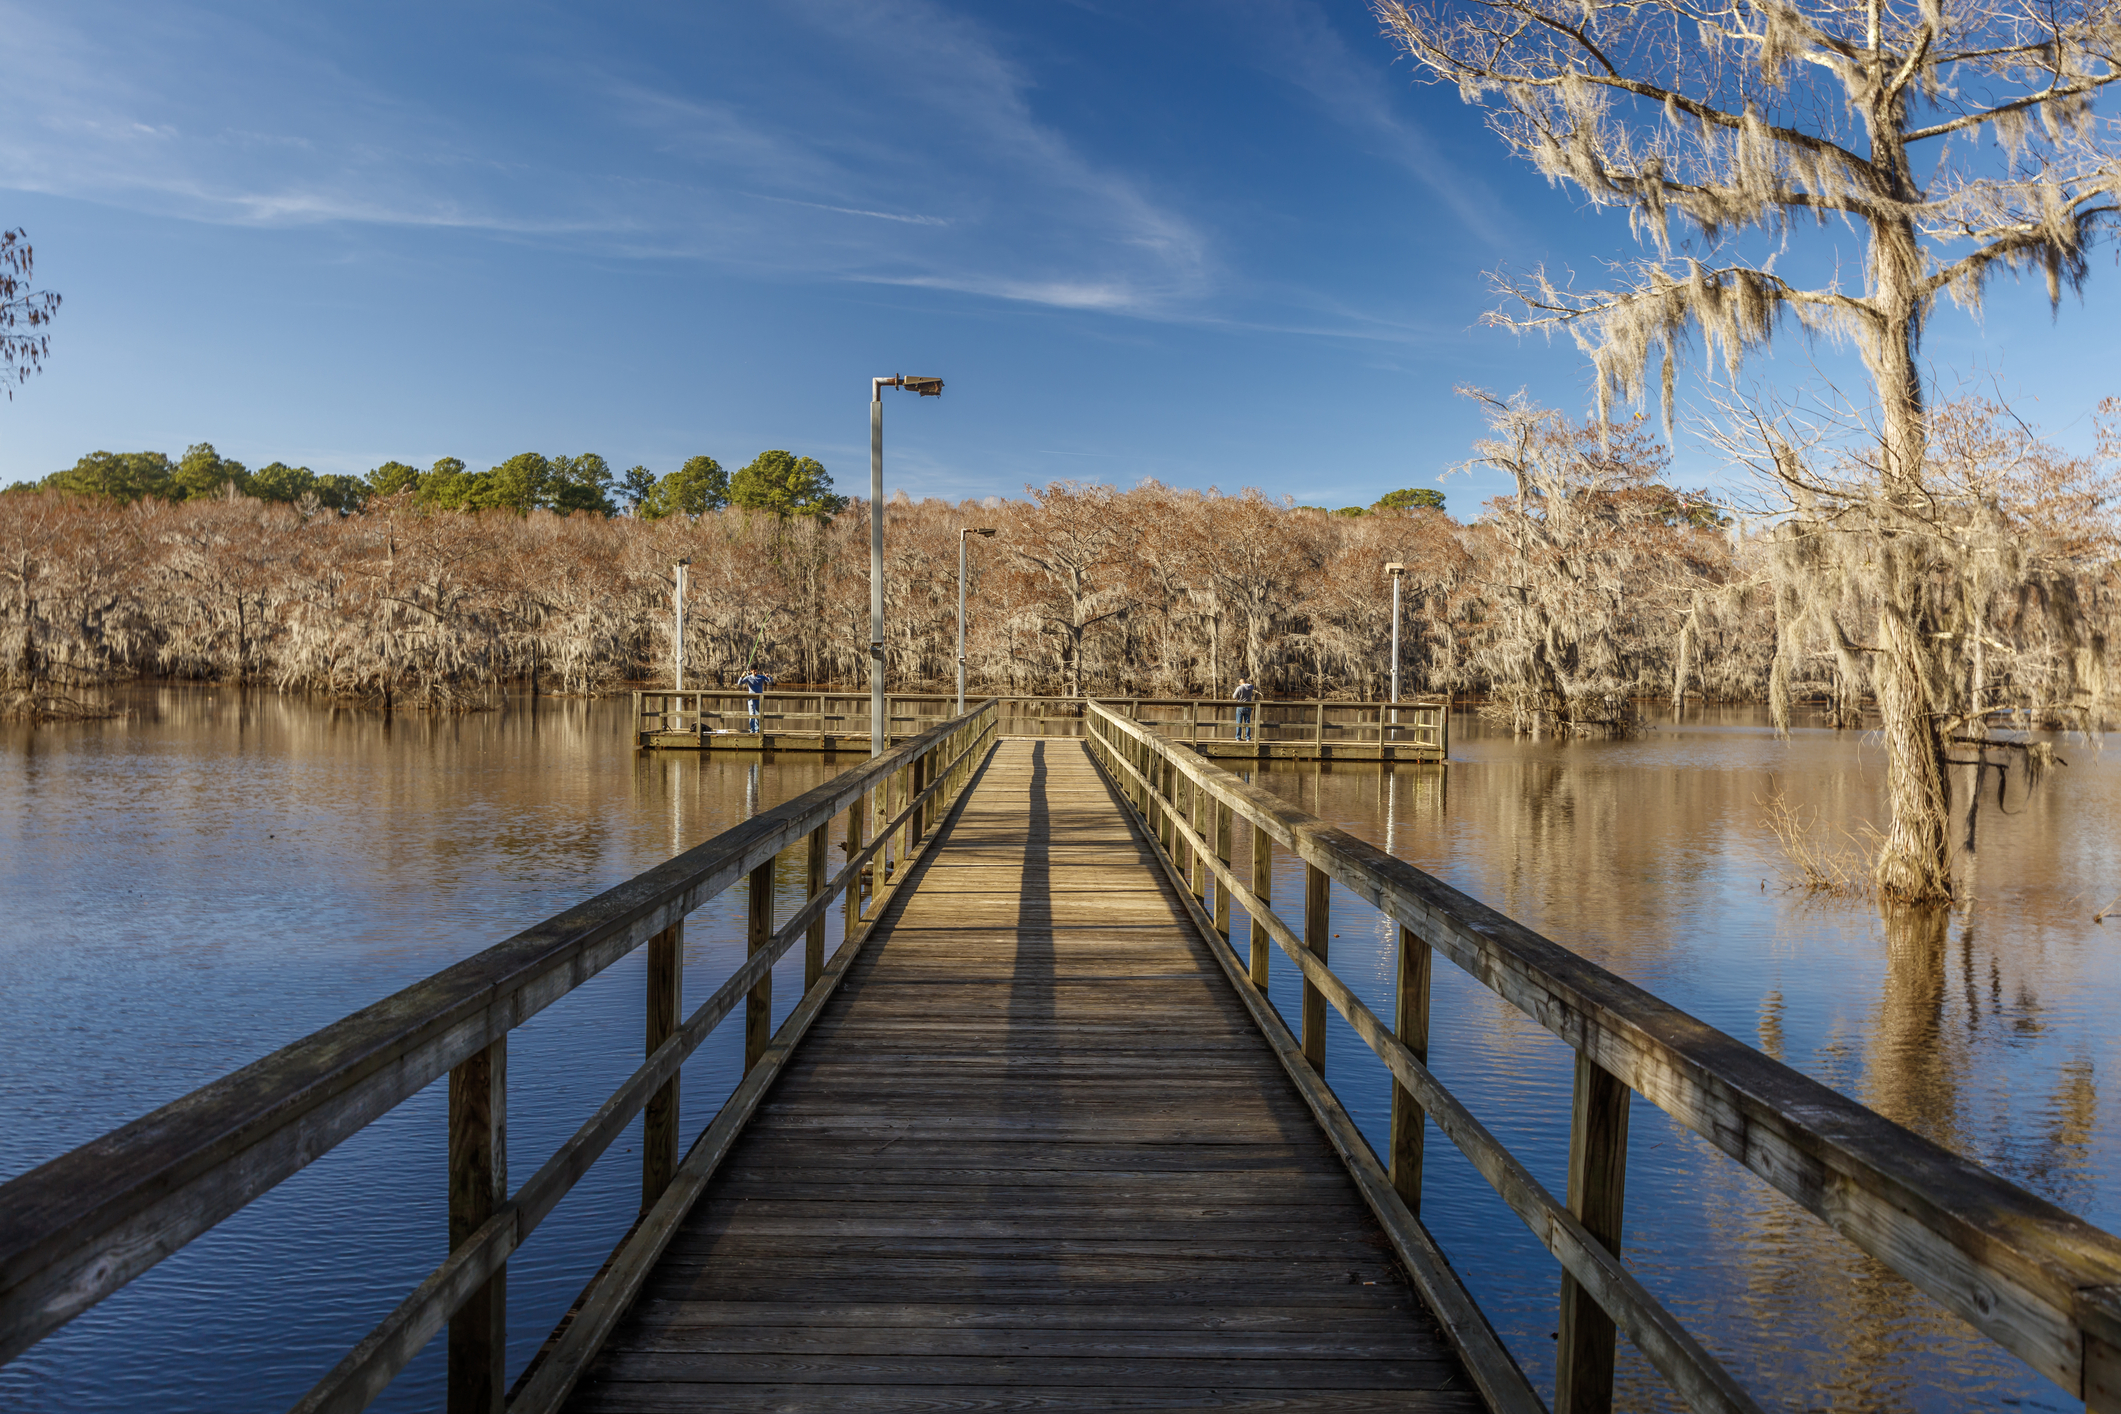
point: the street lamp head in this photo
(987, 531)
(926, 387)
(1396, 567)
(685, 562)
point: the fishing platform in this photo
(1035, 1136)
(1286, 729)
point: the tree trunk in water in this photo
(1915, 864)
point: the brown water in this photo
(216, 874)
(1988, 1029)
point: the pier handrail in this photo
(81, 1226)
(1422, 721)
(2039, 1281)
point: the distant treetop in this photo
(1409, 499)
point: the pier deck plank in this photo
(1033, 1156)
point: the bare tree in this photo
(1744, 115)
(23, 311)
(1741, 116)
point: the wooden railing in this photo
(1422, 723)
(713, 710)
(2043, 1284)
(83, 1225)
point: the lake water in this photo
(218, 873)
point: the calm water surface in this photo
(1988, 1029)
(218, 874)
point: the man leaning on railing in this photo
(1246, 695)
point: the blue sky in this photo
(1224, 243)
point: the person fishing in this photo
(755, 682)
(1246, 695)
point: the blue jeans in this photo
(1244, 724)
(754, 716)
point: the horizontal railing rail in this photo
(2037, 1280)
(1421, 724)
(83, 1225)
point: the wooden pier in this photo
(1035, 1137)
(1033, 1153)
(1288, 729)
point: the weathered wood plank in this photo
(621, 1398)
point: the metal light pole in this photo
(927, 388)
(677, 672)
(1396, 569)
(963, 531)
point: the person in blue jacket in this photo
(755, 682)
(1246, 695)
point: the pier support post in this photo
(1598, 1167)
(1411, 1025)
(758, 1003)
(659, 1118)
(478, 1186)
(1318, 923)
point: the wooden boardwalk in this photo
(1033, 1155)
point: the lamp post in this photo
(961, 534)
(677, 652)
(927, 388)
(1397, 569)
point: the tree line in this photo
(1591, 587)
(778, 482)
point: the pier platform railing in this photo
(1417, 728)
(2040, 1282)
(80, 1227)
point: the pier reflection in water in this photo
(219, 873)
(1986, 1028)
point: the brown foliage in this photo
(1594, 585)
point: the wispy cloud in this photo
(1295, 43)
(909, 220)
(894, 144)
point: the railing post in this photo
(814, 940)
(1320, 737)
(659, 1118)
(854, 847)
(758, 1004)
(1263, 888)
(923, 778)
(1598, 1167)
(1222, 853)
(1167, 805)
(2098, 1310)
(1411, 1025)
(1318, 921)
(478, 1186)
(1197, 860)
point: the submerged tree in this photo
(1600, 554)
(1958, 137)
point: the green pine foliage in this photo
(777, 482)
